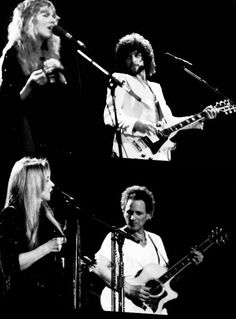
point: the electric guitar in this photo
(158, 279)
(158, 145)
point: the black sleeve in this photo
(12, 107)
(12, 241)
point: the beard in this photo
(136, 69)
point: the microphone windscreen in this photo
(57, 30)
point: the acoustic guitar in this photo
(159, 279)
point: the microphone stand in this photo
(118, 236)
(77, 291)
(214, 89)
(112, 86)
(117, 277)
(77, 268)
(113, 82)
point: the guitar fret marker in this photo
(148, 147)
(158, 279)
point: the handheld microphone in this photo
(51, 77)
(57, 30)
(179, 59)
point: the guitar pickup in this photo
(137, 146)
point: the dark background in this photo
(195, 191)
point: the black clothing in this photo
(39, 125)
(41, 283)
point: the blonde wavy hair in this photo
(21, 32)
(25, 186)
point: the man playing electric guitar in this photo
(141, 260)
(138, 106)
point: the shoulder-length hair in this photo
(22, 34)
(131, 42)
(25, 186)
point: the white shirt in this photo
(135, 256)
(144, 101)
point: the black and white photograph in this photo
(117, 163)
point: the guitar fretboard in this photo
(223, 106)
(185, 262)
(190, 120)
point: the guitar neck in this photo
(192, 119)
(184, 262)
(223, 106)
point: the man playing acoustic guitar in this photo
(143, 262)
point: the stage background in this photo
(196, 190)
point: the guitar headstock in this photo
(226, 106)
(218, 236)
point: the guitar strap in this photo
(157, 251)
(159, 114)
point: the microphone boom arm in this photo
(215, 89)
(73, 202)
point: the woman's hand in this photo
(30, 257)
(36, 77)
(51, 64)
(55, 244)
(39, 77)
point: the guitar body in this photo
(160, 293)
(158, 279)
(159, 146)
(145, 147)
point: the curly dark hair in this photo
(137, 192)
(131, 42)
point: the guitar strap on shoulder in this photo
(159, 113)
(155, 248)
(157, 251)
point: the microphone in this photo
(124, 232)
(57, 30)
(51, 77)
(69, 199)
(179, 59)
(140, 69)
